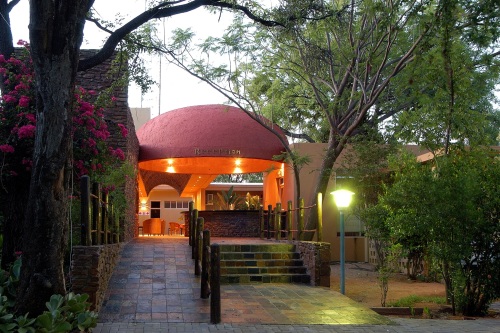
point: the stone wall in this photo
(316, 257)
(230, 223)
(91, 270)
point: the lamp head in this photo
(342, 198)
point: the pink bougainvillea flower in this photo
(24, 101)
(118, 153)
(26, 131)
(8, 98)
(123, 129)
(31, 117)
(6, 148)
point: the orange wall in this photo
(355, 248)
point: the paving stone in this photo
(154, 289)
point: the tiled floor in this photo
(155, 281)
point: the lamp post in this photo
(342, 199)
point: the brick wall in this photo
(230, 223)
(99, 79)
(91, 269)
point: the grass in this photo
(411, 300)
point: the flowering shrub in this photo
(91, 153)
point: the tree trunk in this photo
(56, 32)
(332, 152)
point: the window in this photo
(210, 199)
(155, 209)
(176, 204)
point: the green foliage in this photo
(239, 178)
(411, 300)
(450, 208)
(65, 313)
(230, 199)
(388, 265)
(252, 202)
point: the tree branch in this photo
(302, 136)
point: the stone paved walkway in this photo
(154, 289)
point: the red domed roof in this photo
(206, 133)
(206, 130)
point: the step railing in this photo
(99, 224)
(277, 222)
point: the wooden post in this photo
(105, 217)
(117, 228)
(320, 217)
(190, 223)
(111, 223)
(277, 221)
(198, 246)
(301, 219)
(192, 232)
(289, 220)
(215, 301)
(205, 265)
(268, 220)
(85, 235)
(261, 219)
(96, 213)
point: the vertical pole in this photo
(268, 220)
(342, 254)
(289, 220)
(192, 232)
(215, 301)
(198, 246)
(301, 219)
(190, 223)
(277, 221)
(96, 213)
(261, 220)
(320, 217)
(117, 228)
(105, 217)
(85, 211)
(205, 265)
(85, 235)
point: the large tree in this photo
(56, 33)
(359, 66)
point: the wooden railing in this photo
(99, 224)
(277, 223)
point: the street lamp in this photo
(342, 199)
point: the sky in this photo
(178, 89)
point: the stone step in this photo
(262, 270)
(265, 278)
(253, 248)
(259, 256)
(261, 262)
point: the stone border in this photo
(91, 270)
(316, 257)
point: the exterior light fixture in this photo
(342, 199)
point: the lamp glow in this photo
(342, 198)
